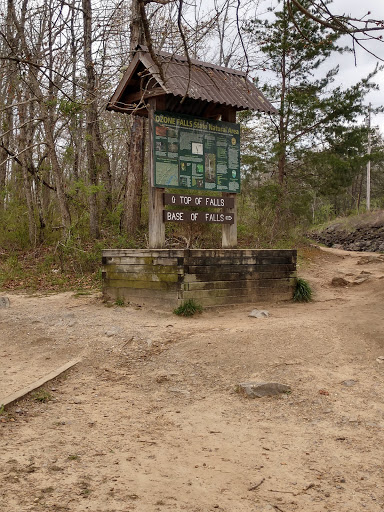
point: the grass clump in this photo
(42, 396)
(303, 291)
(188, 308)
(74, 457)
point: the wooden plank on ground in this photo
(141, 295)
(245, 284)
(237, 292)
(38, 383)
(239, 253)
(237, 276)
(143, 253)
(255, 299)
(141, 285)
(143, 276)
(203, 269)
(151, 269)
(147, 261)
(246, 260)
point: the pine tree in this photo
(311, 111)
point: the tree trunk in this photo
(6, 118)
(25, 150)
(7, 124)
(98, 161)
(131, 214)
(35, 89)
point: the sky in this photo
(352, 67)
(351, 72)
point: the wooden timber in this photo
(213, 277)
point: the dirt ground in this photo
(150, 419)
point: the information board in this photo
(196, 153)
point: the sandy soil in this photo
(150, 419)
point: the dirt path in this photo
(150, 420)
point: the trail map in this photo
(196, 153)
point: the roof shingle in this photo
(198, 81)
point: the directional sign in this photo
(190, 200)
(206, 217)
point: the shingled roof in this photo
(199, 83)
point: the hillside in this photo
(356, 233)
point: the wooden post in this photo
(229, 231)
(155, 197)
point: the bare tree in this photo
(97, 158)
(361, 29)
(131, 214)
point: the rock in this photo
(380, 359)
(365, 237)
(360, 280)
(260, 389)
(162, 377)
(5, 302)
(373, 424)
(180, 391)
(259, 313)
(349, 383)
(339, 281)
(365, 260)
(113, 331)
(267, 508)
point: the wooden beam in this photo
(37, 384)
(142, 95)
(156, 223)
(124, 81)
(229, 231)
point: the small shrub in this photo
(74, 457)
(119, 302)
(303, 291)
(188, 308)
(42, 395)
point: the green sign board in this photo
(196, 153)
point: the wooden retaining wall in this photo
(212, 277)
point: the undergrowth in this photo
(188, 308)
(73, 263)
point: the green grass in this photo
(188, 308)
(42, 395)
(303, 291)
(74, 457)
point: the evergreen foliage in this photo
(314, 116)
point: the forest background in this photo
(73, 177)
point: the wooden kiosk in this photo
(194, 146)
